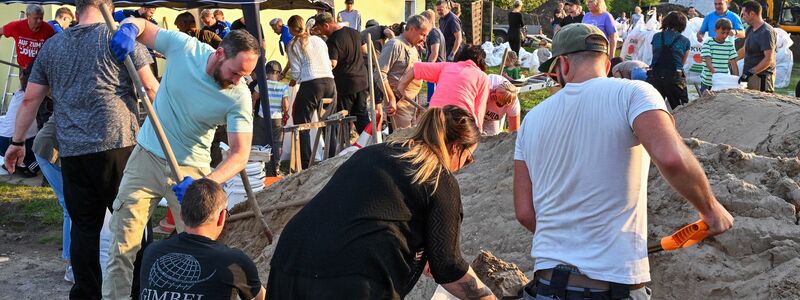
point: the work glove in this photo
(180, 188)
(745, 76)
(123, 42)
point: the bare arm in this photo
(333, 63)
(34, 94)
(764, 64)
(402, 85)
(469, 287)
(612, 50)
(656, 131)
(237, 157)
(513, 124)
(738, 33)
(523, 196)
(457, 43)
(149, 81)
(434, 55)
(709, 65)
(734, 67)
(261, 294)
(147, 30)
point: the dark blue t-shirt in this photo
(449, 24)
(678, 49)
(190, 266)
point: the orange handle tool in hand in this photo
(688, 235)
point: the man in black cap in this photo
(574, 12)
(344, 50)
(379, 33)
(588, 213)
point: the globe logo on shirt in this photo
(176, 271)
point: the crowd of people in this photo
(586, 149)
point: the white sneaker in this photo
(68, 275)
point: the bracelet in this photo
(13, 143)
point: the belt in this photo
(582, 281)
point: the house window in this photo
(411, 9)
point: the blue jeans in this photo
(431, 88)
(53, 175)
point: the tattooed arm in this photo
(469, 287)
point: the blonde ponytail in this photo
(429, 147)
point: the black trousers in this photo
(307, 101)
(356, 105)
(514, 40)
(220, 135)
(91, 183)
(671, 86)
(282, 285)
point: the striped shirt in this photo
(276, 91)
(720, 54)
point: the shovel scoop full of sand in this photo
(504, 279)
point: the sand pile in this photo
(766, 124)
(758, 259)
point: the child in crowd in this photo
(510, 67)
(718, 54)
(278, 99)
(543, 53)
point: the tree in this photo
(618, 6)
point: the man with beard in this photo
(202, 88)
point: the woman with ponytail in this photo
(386, 212)
(311, 67)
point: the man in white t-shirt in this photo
(587, 152)
(502, 102)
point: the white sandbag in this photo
(630, 45)
(491, 60)
(528, 60)
(784, 59)
(722, 81)
(694, 62)
(645, 51)
(783, 69)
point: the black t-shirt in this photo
(350, 75)
(385, 230)
(190, 266)
(570, 20)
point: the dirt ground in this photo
(34, 270)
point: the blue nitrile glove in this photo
(180, 188)
(123, 42)
(639, 74)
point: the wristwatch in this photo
(13, 143)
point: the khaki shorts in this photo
(765, 84)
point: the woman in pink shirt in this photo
(462, 83)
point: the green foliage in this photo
(527, 5)
(618, 6)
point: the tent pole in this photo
(253, 19)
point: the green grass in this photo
(527, 100)
(26, 205)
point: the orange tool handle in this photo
(688, 235)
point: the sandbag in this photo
(722, 81)
(528, 60)
(784, 59)
(694, 62)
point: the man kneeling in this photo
(193, 265)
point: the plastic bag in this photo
(528, 60)
(722, 81)
(783, 69)
(630, 45)
(694, 63)
(784, 58)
